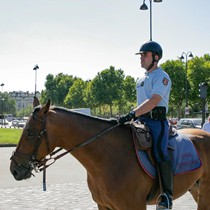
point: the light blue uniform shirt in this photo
(206, 126)
(157, 82)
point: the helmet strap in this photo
(153, 61)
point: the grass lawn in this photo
(10, 136)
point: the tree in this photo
(177, 73)
(7, 104)
(128, 98)
(48, 93)
(107, 87)
(57, 88)
(198, 72)
(96, 89)
(76, 95)
(88, 96)
(111, 92)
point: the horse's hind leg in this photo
(203, 195)
(194, 191)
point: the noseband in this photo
(40, 165)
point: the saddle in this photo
(183, 155)
(141, 135)
(143, 139)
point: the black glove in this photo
(126, 118)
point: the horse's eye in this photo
(30, 134)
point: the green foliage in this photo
(107, 87)
(199, 71)
(76, 95)
(177, 73)
(88, 96)
(7, 104)
(57, 88)
(129, 89)
(25, 112)
(110, 93)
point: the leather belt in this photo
(158, 113)
(147, 115)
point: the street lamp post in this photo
(186, 56)
(144, 7)
(2, 112)
(2, 122)
(2, 85)
(35, 69)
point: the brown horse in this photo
(115, 178)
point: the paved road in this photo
(66, 188)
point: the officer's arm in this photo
(147, 105)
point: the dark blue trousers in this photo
(159, 131)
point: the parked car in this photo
(189, 123)
(21, 124)
(15, 123)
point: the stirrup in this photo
(159, 198)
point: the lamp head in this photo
(143, 6)
(191, 55)
(157, 1)
(36, 67)
(182, 57)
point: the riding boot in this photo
(166, 179)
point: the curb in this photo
(8, 145)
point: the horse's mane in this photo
(69, 111)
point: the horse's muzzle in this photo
(20, 171)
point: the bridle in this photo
(32, 161)
(40, 165)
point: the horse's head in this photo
(33, 145)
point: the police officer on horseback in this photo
(153, 92)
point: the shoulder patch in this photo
(165, 81)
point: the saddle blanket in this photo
(185, 157)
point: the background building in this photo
(23, 99)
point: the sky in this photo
(84, 37)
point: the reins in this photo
(42, 165)
(39, 166)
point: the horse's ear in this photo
(46, 107)
(48, 104)
(35, 102)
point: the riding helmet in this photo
(153, 47)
